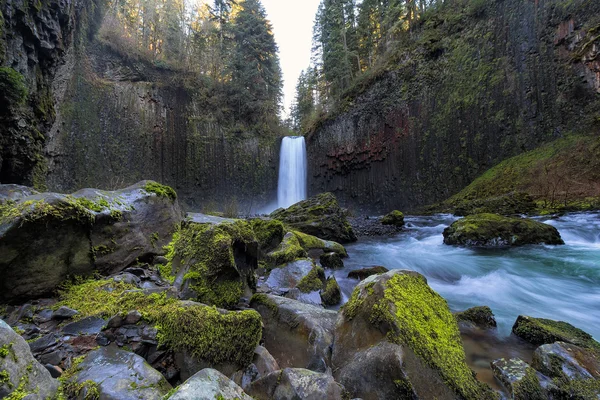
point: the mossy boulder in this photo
(269, 233)
(44, 238)
(399, 307)
(331, 261)
(540, 331)
(298, 335)
(309, 242)
(320, 216)
(491, 230)
(214, 263)
(395, 218)
(296, 383)
(519, 379)
(574, 370)
(22, 375)
(364, 273)
(481, 317)
(313, 281)
(288, 276)
(331, 295)
(287, 251)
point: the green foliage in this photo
(161, 190)
(13, 90)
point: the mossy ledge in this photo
(160, 190)
(216, 336)
(541, 331)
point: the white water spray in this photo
(292, 171)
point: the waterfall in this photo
(292, 171)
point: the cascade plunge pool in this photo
(556, 282)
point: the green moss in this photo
(313, 281)
(207, 251)
(90, 205)
(263, 299)
(331, 294)
(528, 388)
(420, 319)
(287, 251)
(578, 389)
(116, 215)
(12, 86)
(309, 242)
(20, 392)
(395, 218)
(5, 379)
(166, 273)
(5, 350)
(161, 190)
(35, 210)
(154, 238)
(543, 331)
(480, 316)
(269, 233)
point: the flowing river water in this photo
(556, 282)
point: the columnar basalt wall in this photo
(470, 90)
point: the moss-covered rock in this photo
(481, 317)
(214, 264)
(296, 383)
(331, 295)
(319, 216)
(519, 379)
(399, 307)
(491, 230)
(395, 218)
(313, 281)
(288, 250)
(331, 260)
(269, 233)
(209, 384)
(540, 331)
(364, 273)
(13, 90)
(309, 242)
(288, 276)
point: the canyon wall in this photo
(471, 87)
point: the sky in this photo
(292, 24)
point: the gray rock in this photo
(519, 379)
(52, 358)
(43, 316)
(288, 276)
(296, 384)
(133, 317)
(20, 369)
(121, 375)
(209, 384)
(160, 260)
(567, 362)
(127, 277)
(207, 219)
(12, 192)
(55, 372)
(64, 313)
(115, 322)
(296, 334)
(85, 326)
(312, 298)
(263, 364)
(43, 343)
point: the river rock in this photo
(331, 260)
(331, 295)
(395, 218)
(287, 251)
(540, 331)
(296, 334)
(481, 317)
(316, 246)
(64, 313)
(119, 375)
(320, 216)
(364, 273)
(263, 364)
(491, 230)
(44, 238)
(296, 384)
(214, 264)
(399, 308)
(19, 371)
(209, 384)
(521, 381)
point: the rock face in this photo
(297, 384)
(418, 338)
(298, 335)
(209, 384)
(46, 237)
(20, 373)
(540, 331)
(491, 230)
(320, 216)
(119, 375)
(423, 131)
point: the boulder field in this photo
(215, 308)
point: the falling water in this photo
(292, 171)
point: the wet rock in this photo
(128, 278)
(519, 379)
(320, 216)
(288, 276)
(132, 318)
(313, 298)
(263, 364)
(296, 383)
(85, 326)
(287, 251)
(395, 218)
(540, 331)
(64, 313)
(331, 295)
(11, 192)
(364, 273)
(52, 358)
(372, 227)
(399, 307)
(115, 322)
(209, 384)
(43, 316)
(481, 317)
(43, 343)
(331, 260)
(296, 334)
(120, 375)
(491, 230)
(55, 372)
(20, 371)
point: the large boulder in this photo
(491, 230)
(424, 359)
(540, 331)
(520, 380)
(209, 384)
(20, 374)
(263, 364)
(288, 276)
(296, 384)
(112, 374)
(214, 263)
(44, 238)
(395, 218)
(298, 335)
(320, 216)
(288, 250)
